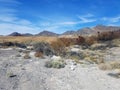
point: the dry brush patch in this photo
(58, 47)
(38, 54)
(44, 48)
(110, 65)
(55, 64)
(107, 36)
(25, 39)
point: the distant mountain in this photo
(27, 34)
(85, 31)
(69, 33)
(102, 28)
(90, 31)
(15, 34)
(47, 33)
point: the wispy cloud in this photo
(9, 22)
(9, 28)
(8, 2)
(87, 18)
(112, 19)
(8, 11)
(7, 18)
(69, 23)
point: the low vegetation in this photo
(44, 48)
(38, 54)
(50, 46)
(110, 65)
(55, 64)
(58, 47)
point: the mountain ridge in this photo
(82, 31)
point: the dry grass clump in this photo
(58, 47)
(80, 40)
(38, 54)
(107, 36)
(55, 64)
(110, 65)
(90, 40)
(93, 59)
(27, 40)
(68, 41)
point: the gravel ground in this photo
(17, 73)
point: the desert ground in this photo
(88, 73)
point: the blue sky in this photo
(34, 16)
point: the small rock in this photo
(72, 67)
(56, 57)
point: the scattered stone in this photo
(30, 48)
(56, 57)
(72, 67)
(75, 55)
(26, 56)
(18, 55)
(97, 46)
(11, 76)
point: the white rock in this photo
(29, 47)
(32, 54)
(72, 67)
(75, 49)
(56, 57)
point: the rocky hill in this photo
(27, 34)
(15, 34)
(69, 33)
(46, 33)
(102, 28)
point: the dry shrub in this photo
(38, 54)
(13, 44)
(91, 40)
(80, 40)
(110, 35)
(92, 60)
(58, 47)
(110, 65)
(44, 48)
(68, 41)
(55, 64)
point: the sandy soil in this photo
(17, 73)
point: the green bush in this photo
(55, 64)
